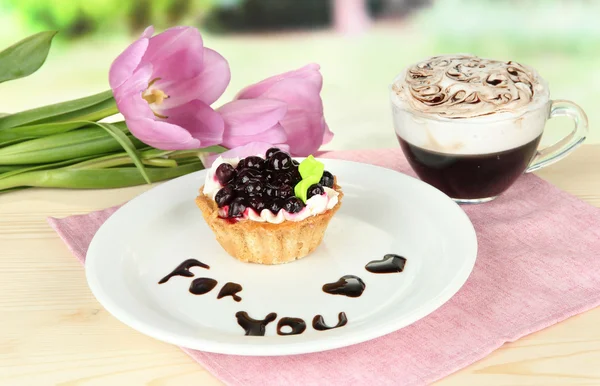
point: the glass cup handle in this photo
(563, 147)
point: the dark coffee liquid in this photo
(254, 327)
(389, 264)
(230, 289)
(183, 269)
(470, 176)
(319, 323)
(298, 326)
(349, 285)
(202, 285)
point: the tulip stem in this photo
(121, 159)
(94, 178)
(10, 168)
(54, 165)
(58, 112)
(161, 162)
(126, 144)
(105, 162)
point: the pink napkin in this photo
(537, 265)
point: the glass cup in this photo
(473, 160)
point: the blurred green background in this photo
(358, 56)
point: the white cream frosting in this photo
(314, 205)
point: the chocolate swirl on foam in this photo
(462, 86)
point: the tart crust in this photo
(263, 242)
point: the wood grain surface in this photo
(53, 331)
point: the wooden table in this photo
(53, 331)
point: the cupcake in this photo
(269, 210)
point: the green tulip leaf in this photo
(83, 108)
(25, 57)
(127, 145)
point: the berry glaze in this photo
(262, 189)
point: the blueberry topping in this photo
(269, 183)
(247, 174)
(225, 173)
(269, 175)
(282, 179)
(257, 204)
(254, 162)
(241, 165)
(270, 191)
(272, 151)
(276, 205)
(224, 196)
(249, 171)
(295, 177)
(327, 179)
(254, 188)
(285, 191)
(280, 161)
(293, 205)
(315, 190)
(237, 208)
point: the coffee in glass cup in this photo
(471, 126)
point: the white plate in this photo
(383, 212)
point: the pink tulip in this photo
(164, 86)
(285, 111)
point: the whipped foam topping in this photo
(314, 205)
(465, 86)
